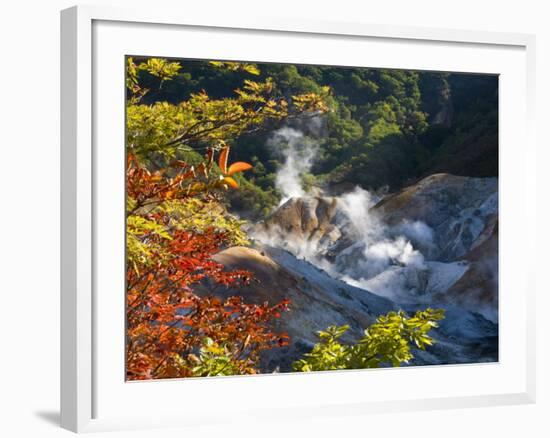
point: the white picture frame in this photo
(83, 370)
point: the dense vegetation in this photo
(386, 342)
(180, 123)
(383, 128)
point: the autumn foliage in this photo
(171, 330)
(176, 223)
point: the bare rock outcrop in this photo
(317, 300)
(347, 260)
(456, 208)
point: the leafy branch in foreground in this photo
(166, 129)
(176, 327)
(176, 221)
(386, 342)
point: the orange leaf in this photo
(238, 167)
(230, 181)
(222, 160)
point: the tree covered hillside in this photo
(384, 128)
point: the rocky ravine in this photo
(346, 260)
(317, 300)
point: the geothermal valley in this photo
(347, 258)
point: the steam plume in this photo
(299, 152)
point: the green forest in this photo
(383, 128)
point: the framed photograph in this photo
(278, 217)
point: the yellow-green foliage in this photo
(159, 67)
(139, 246)
(195, 215)
(213, 360)
(191, 214)
(236, 66)
(386, 342)
(166, 128)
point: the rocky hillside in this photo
(461, 211)
(348, 259)
(462, 214)
(317, 300)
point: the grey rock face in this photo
(413, 245)
(456, 208)
(347, 260)
(317, 300)
(463, 214)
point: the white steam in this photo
(382, 259)
(299, 153)
(356, 206)
(357, 246)
(378, 246)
